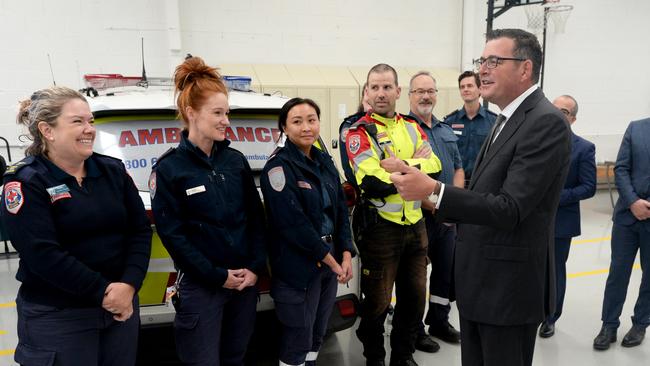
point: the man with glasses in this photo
(504, 247)
(471, 122)
(580, 185)
(441, 235)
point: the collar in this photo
(481, 112)
(385, 120)
(298, 155)
(189, 146)
(434, 120)
(92, 170)
(510, 109)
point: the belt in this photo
(327, 238)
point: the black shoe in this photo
(405, 362)
(546, 330)
(310, 363)
(426, 344)
(446, 332)
(604, 338)
(375, 363)
(634, 337)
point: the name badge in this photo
(58, 192)
(459, 133)
(195, 190)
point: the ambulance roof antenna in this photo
(143, 82)
(51, 71)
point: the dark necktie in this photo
(497, 125)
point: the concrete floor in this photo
(571, 345)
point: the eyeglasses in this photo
(421, 92)
(493, 61)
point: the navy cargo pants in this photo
(49, 336)
(304, 315)
(213, 326)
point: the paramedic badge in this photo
(276, 178)
(354, 144)
(14, 198)
(152, 184)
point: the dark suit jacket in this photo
(580, 185)
(504, 250)
(632, 171)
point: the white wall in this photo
(92, 36)
(601, 59)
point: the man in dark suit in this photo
(504, 248)
(630, 233)
(580, 185)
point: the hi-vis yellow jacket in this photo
(366, 148)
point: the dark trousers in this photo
(494, 345)
(392, 254)
(626, 241)
(562, 247)
(213, 326)
(442, 239)
(304, 315)
(51, 336)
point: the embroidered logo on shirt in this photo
(58, 192)
(152, 184)
(303, 184)
(277, 179)
(14, 198)
(354, 144)
(195, 190)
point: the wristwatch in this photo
(433, 197)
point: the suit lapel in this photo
(511, 126)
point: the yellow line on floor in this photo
(589, 241)
(6, 352)
(596, 272)
(11, 304)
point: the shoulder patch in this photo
(277, 178)
(152, 184)
(354, 144)
(14, 168)
(14, 198)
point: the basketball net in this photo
(557, 14)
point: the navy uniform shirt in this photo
(74, 240)
(471, 134)
(208, 211)
(292, 185)
(443, 143)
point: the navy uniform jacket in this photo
(74, 240)
(580, 185)
(471, 134)
(632, 172)
(208, 211)
(291, 184)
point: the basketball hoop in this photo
(558, 14)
